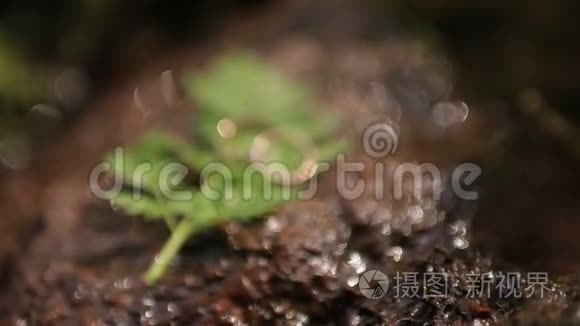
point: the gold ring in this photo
(279, 173)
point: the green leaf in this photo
(148, 208)
(258, 100)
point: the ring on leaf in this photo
(278, 172)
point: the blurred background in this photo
(68, 72)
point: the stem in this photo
(178, 237)
(169, 219)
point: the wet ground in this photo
(70, 259)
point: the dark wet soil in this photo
(299, 266)
(72, 260)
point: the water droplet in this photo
(395, 252)
(43, 119)
(352, 281)
(45, 110)
(458, 228)
(460, 243)
(15, 152)
(140, 105)
(21, 322)
(274, 225)
(415, 214)
(386, 229)
(168, 88)
(446, 113)
(148, 301)
(226, 128)
(172, 308)
(356, 261)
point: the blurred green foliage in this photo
(100, 38)
(20, 89)
(241, 88)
